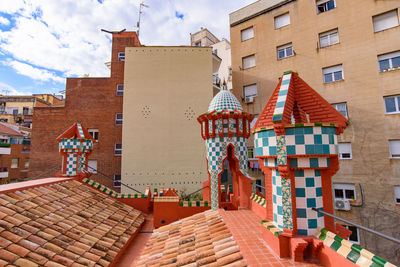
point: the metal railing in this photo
(359, 226)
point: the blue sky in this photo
(44, 41)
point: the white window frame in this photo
(279, 21)
(121, 56)
(330, 37)
(92, 163)
(332, 70)
(378, 20)
(250, 87)
(394, 148)
(325, 5)
(120, 90)
(13, 164)
(345, 146)
(285, 51)
(336, 105)
(118, 121)
(390, 57)
(396, 102)
(117, 151)
(94, 133)
(249, 61)
(247, 34)
(358, 234)
(344, 187)
(397, 195)
(117, 180)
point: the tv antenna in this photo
(112, 32)
(5, 91)
(142, 4)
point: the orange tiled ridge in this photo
(66, 223)
(200, 240)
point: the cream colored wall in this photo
(224, 52)
(165, 90)
(363, 88)
(20, 106)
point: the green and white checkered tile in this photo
(193, 204)
(69, 144)
(281, 101)
(259, 200)
(72, 160)
(113, 193)
(277, 206)
(304, 162)
(224, 100)
(82, 136)
(271, 227)
(350, 251)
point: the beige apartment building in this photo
(165, 90)
(349, 51)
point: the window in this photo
(386, 20)
(118, 150)
(392, 104)
(117, 180)
(26, 163)
(394, 147)
(94, 133)
(121, 56)
(250, 90)
(92, 165)
(14, 163)
(285, 51)
(325, 5)
(342, 108)
(118, 119)
(197, 43)
(12, 110)
(282, 20)
(389, 61)
(25, 111)
(247, 34)
(333, 74)
(249, 62)
(397, 194)
(120, 90)
(345, 191)
(345, 151)
(328, 38)
(354, 237)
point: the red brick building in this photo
(96, 103)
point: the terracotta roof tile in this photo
(202, 239)
(63, 224)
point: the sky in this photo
(44, 41)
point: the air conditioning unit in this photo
(342, 204)
(249, 99)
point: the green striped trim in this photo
(351, 251)
(310, 124)
(272, 227)
(259, 200)
(112, 192)
(193, 204)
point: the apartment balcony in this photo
(3, 172)
(5, 149)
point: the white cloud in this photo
(4, 21)
(65, 35)
(6, 89)
(34, 73)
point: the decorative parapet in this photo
(113, 193)
(166, 199)
(193, 204)
(350, 251)
(259, 200)
(271, 227)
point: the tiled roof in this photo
(63, 224)
(224, 100)
(202, 239)
(4, 129)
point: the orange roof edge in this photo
(7, 188)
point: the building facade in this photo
(95, 103)
(354, 47)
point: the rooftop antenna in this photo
(142, 4)
(5, 91)
(112, 32)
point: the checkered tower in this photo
(295, 140)
(75, 145)
(225, 124)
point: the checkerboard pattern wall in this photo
(281, 201)
(80, 130)
(308, 195)
(281, 101)
(82, 163)
(69, 144)
(71, 164)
